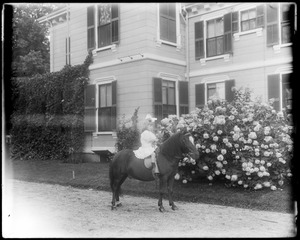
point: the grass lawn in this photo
(95, 175)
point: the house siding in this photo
(251, 55)
(139, 56)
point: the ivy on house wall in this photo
(47, 122)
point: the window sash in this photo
(105, 119)
(216, 90)
(215, 46)
(167, 18)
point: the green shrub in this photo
(128, 134)
(47, 122)
(243, 143)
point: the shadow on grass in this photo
(95, 176)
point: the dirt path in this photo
(43, 210)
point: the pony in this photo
(125, 164)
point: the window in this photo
(280, 23)
(279, 90)
(216, 40)
(165, 98)
(167, 22)
(168, 94)
(105, 104)
(286, 23)
(100, 114)
(212, 91)
(252, 18)
(106, 30)
(216, 91)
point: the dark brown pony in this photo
(125, 164)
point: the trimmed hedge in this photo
(47, 122)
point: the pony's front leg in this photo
(170, 193)
(161, 193)
(113, 201)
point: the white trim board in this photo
(240, 67)
(137, 57)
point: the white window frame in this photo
(258, 31)
(206, 88)
(214, 79)
(224, 56)
(178, 35)
(280, 88)
(112, 46)
(282, 45)
(98, 83)
(176, 79)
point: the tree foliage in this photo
(30, 44)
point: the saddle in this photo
(148, 162)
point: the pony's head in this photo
(188, 145)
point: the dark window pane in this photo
(104, 35)
(272, 13)
(114, 11)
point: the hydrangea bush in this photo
(243, 143)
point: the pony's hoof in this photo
(119, 205)
(113, 207)
(174, 207)
(161, 209)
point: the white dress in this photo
(148, 147)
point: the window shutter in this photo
(229, 94)
(200, 95)
(183, 97)
(235, 22)
(157, 97)
(274, 89)
(90, 27)
(199, 40)
(272, 24)
(115, 23)
(90, 108)
(228, 33)
(114, 106)
(260, 16)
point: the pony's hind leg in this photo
(118, 189)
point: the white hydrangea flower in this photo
(205, 168)
(205, 135)
(252, 135)
(220, 158)
(273, 187)
(217, 172)
(223, 151)
(234, 177)
(210, 178)
(267, 184)
(177, 176)
(225, 140)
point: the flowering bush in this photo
(244, 143)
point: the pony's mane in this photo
(171, 147)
